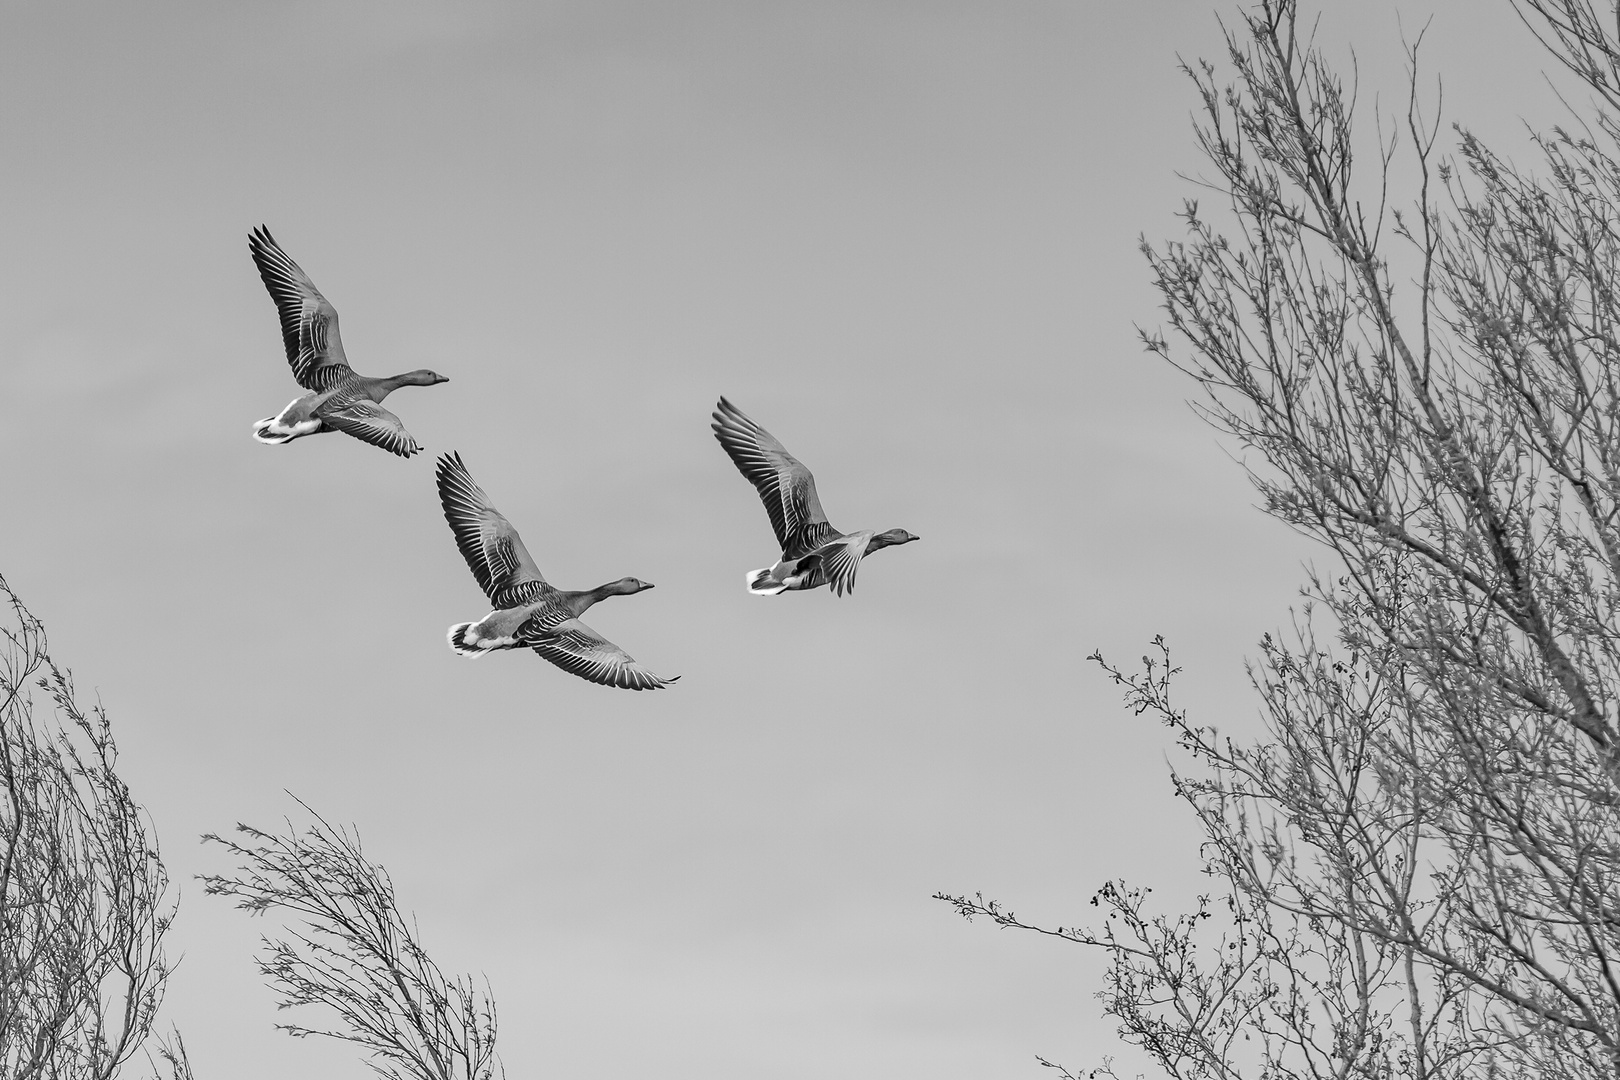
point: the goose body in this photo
(813, 552)
(338, 398)
(529, 612)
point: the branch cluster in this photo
(83, 892)
(357, 955)
(1418, 869)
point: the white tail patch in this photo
(275, 430)
(463, 638)
(271, 430)
(466, 640)
(760, 583)
(266, 432)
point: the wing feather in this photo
(785, 486)
(841, 559)
(492, 547)
(579, 650)
(309, 323)
(369, 422)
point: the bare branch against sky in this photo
(356, 955)
(84, 897)
(1415, 871)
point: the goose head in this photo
(891, 538)
(424, 377)
(629, 586)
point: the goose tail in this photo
(464, 639)
(275, 430)
(763, 583)
(266, 431)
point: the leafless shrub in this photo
(356, 954)
(83, 893)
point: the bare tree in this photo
(1417, 870)
(357, 955)
(83, 893)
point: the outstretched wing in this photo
(784, 484)
(369, 422)
(309, 323)
(840, 560)
(493, 549)
(579, 650)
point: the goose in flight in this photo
(339, 399)
(813, 552)
(529, 611)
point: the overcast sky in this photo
(902, 236)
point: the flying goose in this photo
(529, 611)
(813, 552)
(339, 399)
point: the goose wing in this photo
(493, 549)
(579, 650)
(785, 486)
(369, 422)
(841, 558)
(309, 323)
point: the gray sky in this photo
(902, 236)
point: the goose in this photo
(813, 552)
(339, 399)
(529, 611)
